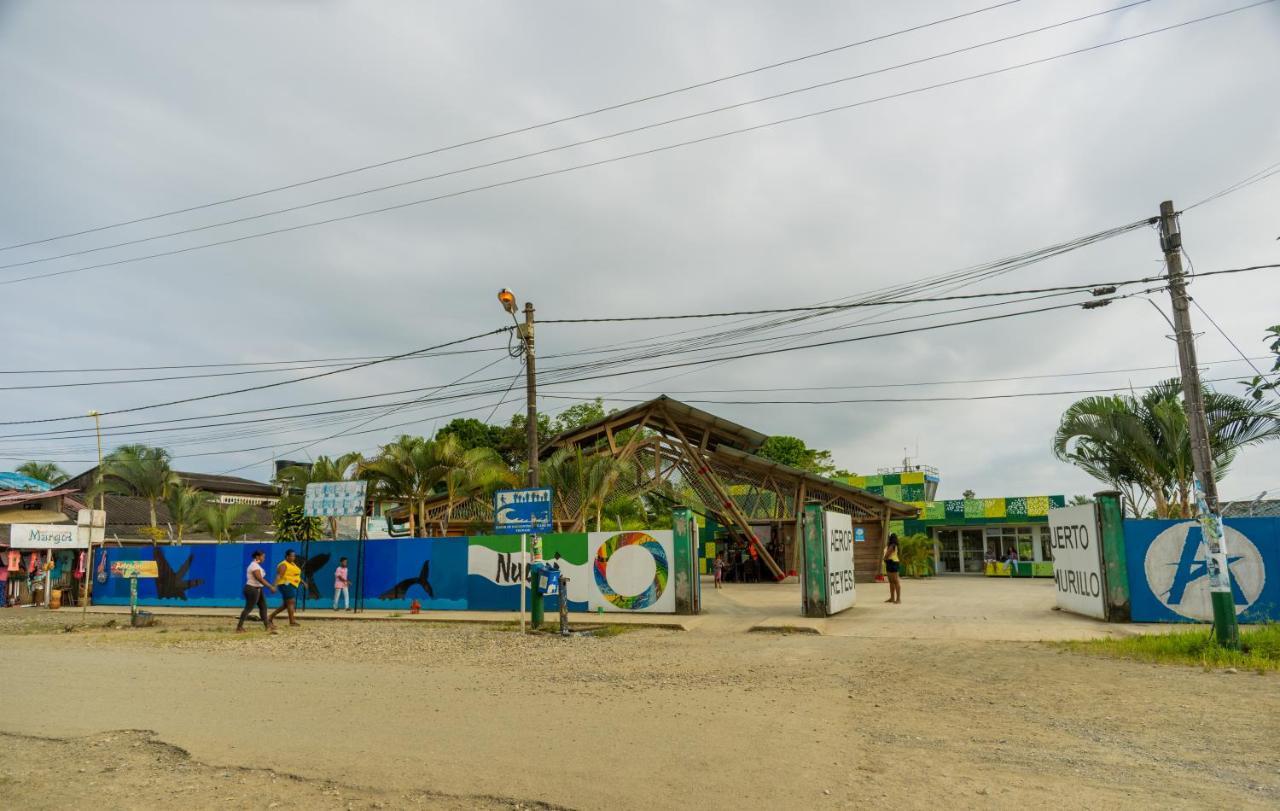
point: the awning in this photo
(21, 516)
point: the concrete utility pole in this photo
(530, 393)
(1225, 627)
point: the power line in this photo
(574, 144)
(1224, 334)
(1256, 177)
(637, 154)
(521, 130)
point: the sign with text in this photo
(1077, 560)
(334, 499)
(45, 536)
(521, 512)
(135, 568)
(840, 588)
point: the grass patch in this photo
(606, 631)
(1260, 649)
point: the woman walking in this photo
(341, 586)
(288, 579)
(254, 582)
(892, 565)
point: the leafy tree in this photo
(790, 450)
(186, 507)
(1141, 445)
(467, 472)
(472, 433)
(47, 472)
(578, 415)
(224, 521)
(1259, 387)
(138, 470)
(292, 525)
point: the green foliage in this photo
(138, 470)
(186, 507)
(1260, 648)
(47, 472)
(1259, 387)
(472, 433)
(291, 525)
(293, 480)
(1141, 445)
(1079, 499)
(225, 521)
(915, 553)
(790, 450)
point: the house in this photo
(225, 489)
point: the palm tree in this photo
(407, 470)
(567, 472)
(1141, 445)
(604, 473)
(466, 473)
(186, 508)
(138, 470)
(47, 472)
(224, 520)
(294, 479)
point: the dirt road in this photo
(363, 714)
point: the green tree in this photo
(47, 472)
(411, 470)
(138, 470)
(186, 507)
(1259, 387)
(467, 472)
(225, 521)
(292, 525)
(1079, 499)
(790, 450)
(1141, 445)
(473, 433)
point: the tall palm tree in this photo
(186, 508)
(294, 479)
(47, 472)
(407, 470)
(223, 521)
(567, 472)
(1141, 445)
(138, 470)
(466, 472)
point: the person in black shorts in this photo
(892, 565)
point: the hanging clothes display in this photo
(78, 570)
(15, 560)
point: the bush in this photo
(916, 555)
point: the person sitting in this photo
(1012, 560)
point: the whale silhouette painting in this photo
(171, 584)
(401, 589)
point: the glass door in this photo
(972, 551)
(948, 541)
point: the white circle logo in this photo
(1178, 574)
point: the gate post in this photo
(814, 581)
(688, 585)
(1111, 524)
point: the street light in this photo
(525, 333)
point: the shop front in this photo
(981, 535)
(44, 564)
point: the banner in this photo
(841, 594)
(46, 536)
(1078, 575)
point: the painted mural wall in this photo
(1168, 577)
(607, 571)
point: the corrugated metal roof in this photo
(9, 498)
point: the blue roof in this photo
(16, 481)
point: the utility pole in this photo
(1225, 627)
(530, 393)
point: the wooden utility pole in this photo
(531, 393)
(1225, 627)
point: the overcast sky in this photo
(114, 111)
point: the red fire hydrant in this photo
(415, 607)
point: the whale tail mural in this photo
(172, 584)
(399, 590)
(310, 566)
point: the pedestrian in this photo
(254, 582)
(1013, 562)
(892, 565)
(288, 579)
(717, 568)
(341, 585)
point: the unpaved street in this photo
(348, 714)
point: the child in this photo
(340, 585)
(717, 568)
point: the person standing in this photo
(341, 585)
(254, 582)
(892, 566)
(717, 569)
(288, 579)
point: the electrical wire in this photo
(574, 144)
(520, 130)
(639, 153)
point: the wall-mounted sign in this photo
(1077, 560)
(520, 512)
(334, 499)
(45, 536)
(135, 568)
(840, 589)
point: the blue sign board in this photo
(859, 535)
(1169, 571)
(520, 512)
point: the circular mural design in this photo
(651, 594)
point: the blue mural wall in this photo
(1168, 579)
(623, 571)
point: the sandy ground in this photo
(343, 714)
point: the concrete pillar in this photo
(1114, 564)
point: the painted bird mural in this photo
(310, 566)
(399, 590)
(171, 584)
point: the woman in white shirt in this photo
(254, 582)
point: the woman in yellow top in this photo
(288, 579)
(891, 567)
